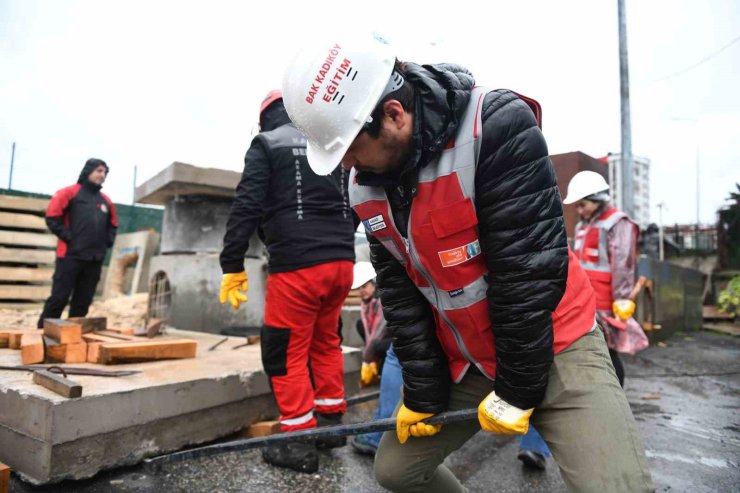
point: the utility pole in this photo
(624, 90)
(660, 231)
(12, 161)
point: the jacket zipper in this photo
(411, 251)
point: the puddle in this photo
(705, 461)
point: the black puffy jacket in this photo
(304, 218)
(522, 236)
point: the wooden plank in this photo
(27, 255)
(90, 324)
(124, 331)
(19, 292)
(116, 335)
(23, 203)
(4, 339)
(148, 351)
(262, 428)
(27, 239)
(62, 331)
(15, 336)
(32, 349)
(4, 478)
(21, 306)
(97, 337)
(27, 274)
(57, 383)
(75, 352)
(22, 221)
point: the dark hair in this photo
(404, 95)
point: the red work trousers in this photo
(301, 334)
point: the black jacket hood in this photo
(274, 116)
(442, 94)
(90, 165)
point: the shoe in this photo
(298, 456)
(532, 460)
(363, 445)
(329, 442)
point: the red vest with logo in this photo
(442, 255)
(591, 245)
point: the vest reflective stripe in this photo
(592, 248)
(468, 295)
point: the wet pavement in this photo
(685, 397)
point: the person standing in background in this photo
(84, 220)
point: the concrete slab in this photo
(118, 421)
(181, 179)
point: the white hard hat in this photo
(331, 89)
(583, 184)
(363, 272)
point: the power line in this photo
(700, 62)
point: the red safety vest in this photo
(592, 249)
(442, 255)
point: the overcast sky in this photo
(147, 83)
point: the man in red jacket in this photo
(84, 220)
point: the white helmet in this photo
(583, 184)
(330, 91)
(363, 272)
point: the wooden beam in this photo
(19, 292)
(130, 352)
(23, 203)
(62, 331)
(4, 339)
(90, 324)
(27, 239)
(32, 349)
(57, 383)
(261, 429)
(116, 335)
(75, 352)
(22, 221)
(94, 341)
(4, 478)
(22, 306)
(15, 336)
(26, 274)
(27, 255)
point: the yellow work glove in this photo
(498, 416)
(623, 309)
(368, 373)
(232, 286)
(408, 422)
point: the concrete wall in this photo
(195, 280)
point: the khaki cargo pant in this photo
(585, 419)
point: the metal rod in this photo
(218, 343)
(358, 399)
(75, 371)
(386, 424)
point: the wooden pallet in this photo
(26, 252)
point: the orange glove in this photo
(234, 288)
(409, 422)
(368, 373)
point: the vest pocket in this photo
(454, 218)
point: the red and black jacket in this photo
(84, 220)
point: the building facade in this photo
(640, 184)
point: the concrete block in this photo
(46, 438)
